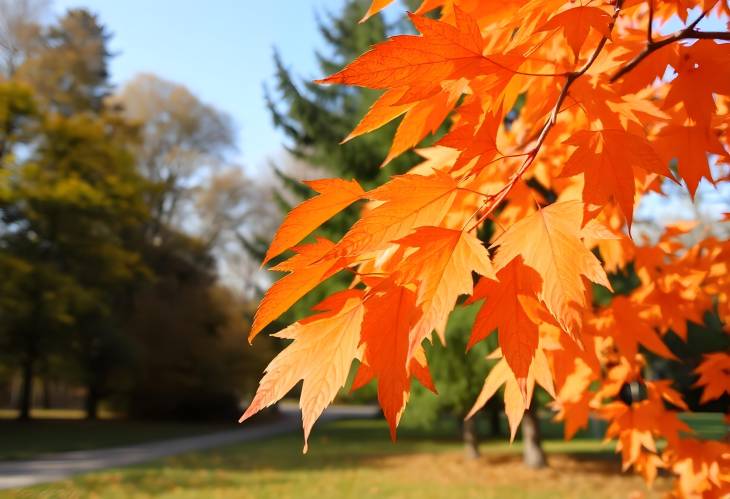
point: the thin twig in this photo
(688, 33)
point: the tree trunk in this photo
(532, 454)
(471, 439)
(92, 402)
(26, 391)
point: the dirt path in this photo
(53, 467)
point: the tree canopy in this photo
(560, 118)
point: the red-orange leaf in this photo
(334, 196)
(576, 24)
(307, 269)
(390, 314)
(440, 53)
(408, 201)
(607, 158)
(699, 78)
(425, 117)
(503, 311)
(383, 110)
(714, 371)
(629, 329)
(690, 145)
(479, 142)
(442, 267)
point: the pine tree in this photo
(315, 119)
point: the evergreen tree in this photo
(316, 118)
(67, 65)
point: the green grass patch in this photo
(346, 459)
(357, 459)
(706, 425)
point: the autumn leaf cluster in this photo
(559, 118)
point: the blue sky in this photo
(220, 49)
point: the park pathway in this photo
(53, 467)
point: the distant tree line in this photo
(116, 209)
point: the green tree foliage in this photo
(18, 114)
(103, 285)
(72, 205)
(69, 210)
(203, 371)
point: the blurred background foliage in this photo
(117, 207)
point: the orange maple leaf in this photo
(629, 329)
(334, 196)
(503, 311)
(699, 80)
(421, 117)
(607, 158)
(576, 23)
(406, 201)
(690, 146)
(515, 401)
(471, 142)
(442, 268)
(442, 52)
(390, 314)
(550, 242)
(323, 349)
(714, 371)
(306, 270)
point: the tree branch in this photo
(493, 201)
(688, 33)
(649, 36)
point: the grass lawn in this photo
(346, 459)
(357, 459)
